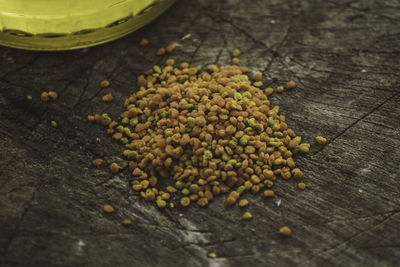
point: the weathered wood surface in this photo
(345, 57)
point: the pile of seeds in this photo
(203, 133)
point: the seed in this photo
(279, 89)
(235, 61)
(290, 85)
(236, 52)
(108, 208)
(114, 168)
(269, 193)
(230, 201)
(53, 123)
(212, 255)
(170, 48)
(161, 203)
(107, 98)
(53, 95)
(171, 189)
(126, 222)
(185, 201)
(285, 231)
(257, 76)
(170, 62)
(97, 162)
(243, 203)
(104, 84)
(301, 186)
(321, 140)
(144, 42)
(44, 97)
(29, 97)
(269, 91)
(258, 84)
(304, 147)
(247, 216)
(160, 51)
(185, 191)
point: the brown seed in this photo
(290, 84)
(107, 98)
(230, 201)
(301, 186)
(321, 140)
(114, 168)
(269, 91)
(257, 76)
(104, 84)
(170, 62)
(97, 162)
(144, 42)
(298, 174)
(236, 52)
(269, 193)
(279, 89)
(160, 51)
(243, 203)
(285, 231)
(53, 95)
(185, 201)
(44, 97)
(235, 61)
(170, 48)
(108, 208)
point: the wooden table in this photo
(345, 57)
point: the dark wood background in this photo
(345, 57)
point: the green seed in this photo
(171, 189)
(151, 90)
(157, 69)
(161, 203)
(247, 94)
(225, 156)
(275, 144)
(125, 120)
(162, 76)
(168, 133)
(247, 216)
(232, 144)
(194, 188)
(105, 119)
(232, 161)
(252, 122)
(124, 140)
(168, 162)
(179, 184)
(204, 144)
(244, 139)
(304, 148)
(241, 189)
(132, 155)
(271, 121)
(53, 123)
(207, 154)
(278, 134)
(237, 96)
(126, 222)
(164, 114)
(147, 112)
(127, 131)
(276, 109)
(189, 106)
(223, 116)
(191, 121)
(134, 121)
(258, 84)
(297, 139)
(185, 191)
(217, 173)
(149, 72)
(150, 156)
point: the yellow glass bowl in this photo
(72, 24)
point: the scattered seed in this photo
(285, 231)
(126, 222)
(279, 89)
(53, 123)
(236, 53)
(212, 255)
(107, 98)
(321, 140)
(247, 216)
(108, 208)
(160, 51)
(301, 186)
(257, 76)
(44, 97)
(243, 203)
(144, 42)
(53, 95)
(97, 162)
(104, 83)
(185, 201)
(269, 193)
(170, 48)
(290, 85)
(235, 61)
(114, 168)
(29, 97)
